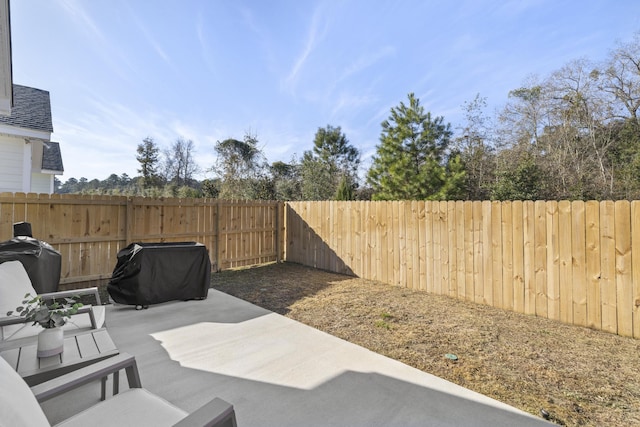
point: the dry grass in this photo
(579, 376)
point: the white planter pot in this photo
(50, 342)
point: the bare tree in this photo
(621, 78)
(476, 150)
(523, 118)
(180, 165)
(574, 146)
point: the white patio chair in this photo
(15, 284)
(19, 404)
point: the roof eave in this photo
(24, 132)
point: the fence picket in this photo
(635, 262)
(478, 265)
(593, 265)
(507, 281)
(608, 270)
(553, 267)
(460, 250)
(496, 254)
(623, 285)
(517, 242)
(487, 251)
(468, 251)
(565, 262)
(422, 245)
(579, 256)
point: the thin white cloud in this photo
(465, 42)
(205, 48)
(111, 55)
(107, 134)
(315, 33)
(79, 14)
(382, 114)
(366, 61)
(249, 19)
(514, 8)
(147, 34)
(262, 37)
(351, 102)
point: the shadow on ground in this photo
(265, 285)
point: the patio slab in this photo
(279, 372)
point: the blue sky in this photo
(205, 70)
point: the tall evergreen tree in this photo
(344, 191)
(411, 163)
(148, 157)
(331, 160)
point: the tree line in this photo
(571, 135)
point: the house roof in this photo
(31, 109)
(51, 156)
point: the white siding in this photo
(11, 163)
(41, 183)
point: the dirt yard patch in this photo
(578, 376)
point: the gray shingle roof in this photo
(51, 156)
(31, 109)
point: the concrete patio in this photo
(278, 372)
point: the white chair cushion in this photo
(14, 285)
(18, 405)
(134, 407)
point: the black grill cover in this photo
(152, 273)
(41, 261)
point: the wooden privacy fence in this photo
(89, 231)
(574, 262)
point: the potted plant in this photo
(51, 317)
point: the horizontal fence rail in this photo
(573, 262)
(89, 231)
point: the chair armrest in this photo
(78, 292)
(72, 293)
(12, 320)
(216, 413)
(16, 320)
(93, 372)
(92, 316)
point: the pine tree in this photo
(344, 191)
(332, 159)
(410, 163)
(148, 157)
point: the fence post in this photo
(216, 241)
(128, 221)
(278, 234)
